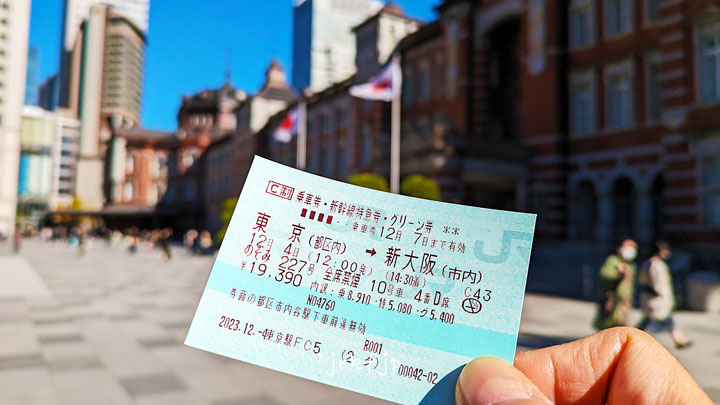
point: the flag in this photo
(288, 128)
(380, 86)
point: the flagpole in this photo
(302, 134)
(395, 128)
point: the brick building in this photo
(227, 160)
(602, 116)
(203, 118)
(104, 90)
(137, 173)
(644, 108)
(346, 135)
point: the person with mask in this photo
(657, 298)
(617, 287)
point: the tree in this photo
(417, 185)
(369, 180)
(228, 207)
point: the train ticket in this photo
(365, 290)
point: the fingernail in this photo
(490, 381)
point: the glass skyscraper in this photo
(323, 41)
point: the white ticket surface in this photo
(365, 290)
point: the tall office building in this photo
(14, 26)
(47, 93)
(323, 41)
(31, 80)
(77, 11)
(106, 83)
(48, 156)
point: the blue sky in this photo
(188, 44)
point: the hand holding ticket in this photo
(365, 290)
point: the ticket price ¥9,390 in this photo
(362, 289)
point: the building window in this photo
(323, 124)
(340, 153)
(310, 127)
(654, 87)
(366, 135)
(582, 26)
(618, 17)
(340, 117)
(439, 77)
(292, 157)
(711, 183)
(453, 54)
(582, 103)
(406, 129)
(408, 84)
(310, 158)
(319, 126)
(424, 82)
(423, 127)
(709, 58)
(619, 95)
(325, 162)
(652, 11)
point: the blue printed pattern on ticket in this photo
(364, 290)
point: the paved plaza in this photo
(108, 328)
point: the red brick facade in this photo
(595, 114)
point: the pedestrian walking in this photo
(657, 296)
(164, 241)
(617, 287)
(132, 244)
(205, 243)
(82, 243)
(189, 240)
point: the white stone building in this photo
(14, 27)
(48, 160)
(77, 11)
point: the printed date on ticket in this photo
(361, 289)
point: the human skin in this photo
(615, 366)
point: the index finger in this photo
(619, 365)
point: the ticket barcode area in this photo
(365, 290)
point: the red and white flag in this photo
(381, 86)
(288, 128)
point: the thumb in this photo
(489, 380)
